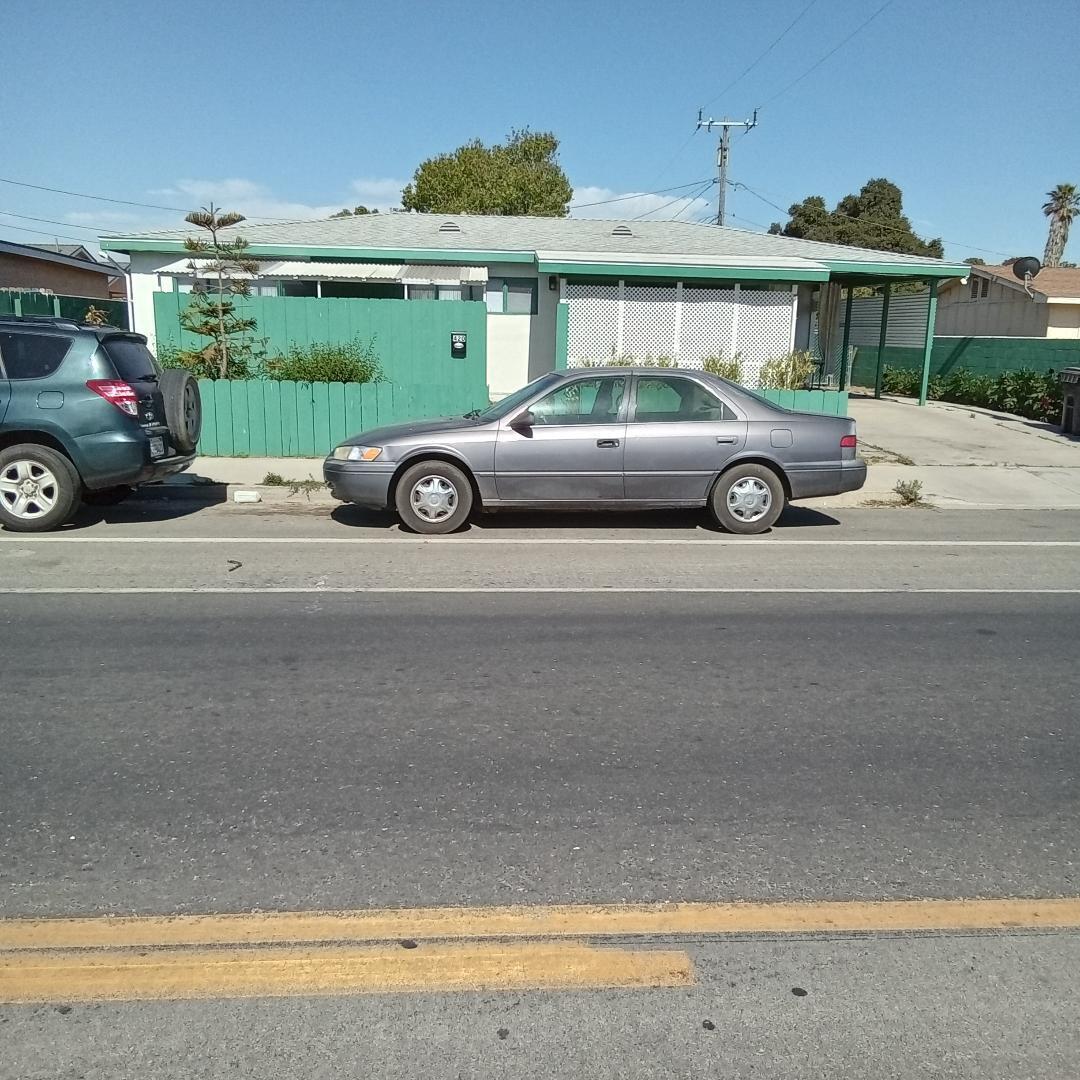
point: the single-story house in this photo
(994, 303)
(29, 268)
(117, 283)
(562, 291)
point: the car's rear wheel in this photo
(183, 408)
(39, 488)
(747, 499)
(433, 497)
(107, 496)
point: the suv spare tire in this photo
(183, 407)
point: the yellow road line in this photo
(540, 922)
(279, 972)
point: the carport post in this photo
(881, 339)
(928, 343)
(841, 382)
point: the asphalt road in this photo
(314, 750)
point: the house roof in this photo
(573, 241)
(1055, 284)
(110, 269)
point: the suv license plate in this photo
(157, 447)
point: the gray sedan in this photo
(611, 438)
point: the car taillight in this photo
(121, 394)
(849, 441)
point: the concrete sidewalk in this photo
(965, 458)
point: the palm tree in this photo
(1061, 207)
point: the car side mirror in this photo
(523, 423)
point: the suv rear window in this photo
(132, 359)
(31, 356)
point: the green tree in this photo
(520, 176)
(872, 219)
(356, 211)
(212, 310)
(975, 261)
(1061, 207)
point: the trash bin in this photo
(1070, 400)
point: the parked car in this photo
(614, 438)
(86, 414)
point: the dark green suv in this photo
(86, 415)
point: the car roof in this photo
(58, 322)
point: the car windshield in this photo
(508, 404)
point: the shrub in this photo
(790, 372)
(347, 362)
(1032, 394)
(910, 492)
(201, 365)
(726, 369)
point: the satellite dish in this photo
(1026, 267)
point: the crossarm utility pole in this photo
(723, 153)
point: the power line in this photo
(691, 200)
(639, 194)
(776, 41)
(43, 232)
(97, 230)
(835, 49)
(678, 198)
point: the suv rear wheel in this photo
(39, 488)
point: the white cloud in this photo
(377, 193)
(252, 199)
(636, 205)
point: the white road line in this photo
(554, 541)
(286, 590)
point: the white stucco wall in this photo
(507, 353)
(1063, 321)
(1003, 312)
(145, 281)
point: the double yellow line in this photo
(275, 954)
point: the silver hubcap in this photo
(28, 490)
(434, 498)
(749, 499)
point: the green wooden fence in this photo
(263, 418)
(34, 302)
(826, 402)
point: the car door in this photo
(679, 435)
(567, 447)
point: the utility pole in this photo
(723, 153)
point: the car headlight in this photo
(357, 453)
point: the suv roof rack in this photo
(43, 320)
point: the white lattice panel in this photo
(764, 329)
(707, 319)
(649, 322)
(593, 332)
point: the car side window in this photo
(584, 401)
(32, 356)
(669, 399)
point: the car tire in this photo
(183, 408)
(39, 488)
(112, 496)
(747, 499)
(433, 497)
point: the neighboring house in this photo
(35, 268)
(117, 284)
(558, 291)
(994, 303)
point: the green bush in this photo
(201, 365)
(346, 362)
(726, 369)
(1032, 394)
(789, 372)
(627, 360)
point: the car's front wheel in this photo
(433, 497)
(39, 488)
(747, 499)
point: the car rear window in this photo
(32, 356)
(131, 358)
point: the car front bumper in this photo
(361, 482)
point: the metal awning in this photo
(356, 271)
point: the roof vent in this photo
(449, 226)
(621, 230)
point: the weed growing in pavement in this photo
(296, 487)
(910, 492)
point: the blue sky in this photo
(973, 108)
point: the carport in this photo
(847, 279)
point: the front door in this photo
(572, 452)
(678, 438)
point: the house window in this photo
(974, 287)
(985, 286)
(446, 292)
(511, 296)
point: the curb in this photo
(214, 494)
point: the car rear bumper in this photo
(363, 483)
(113, 458)
(811, 483)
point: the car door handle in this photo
(607, 444)
(727, 438)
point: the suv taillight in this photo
(849, 441)
(121, 394)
